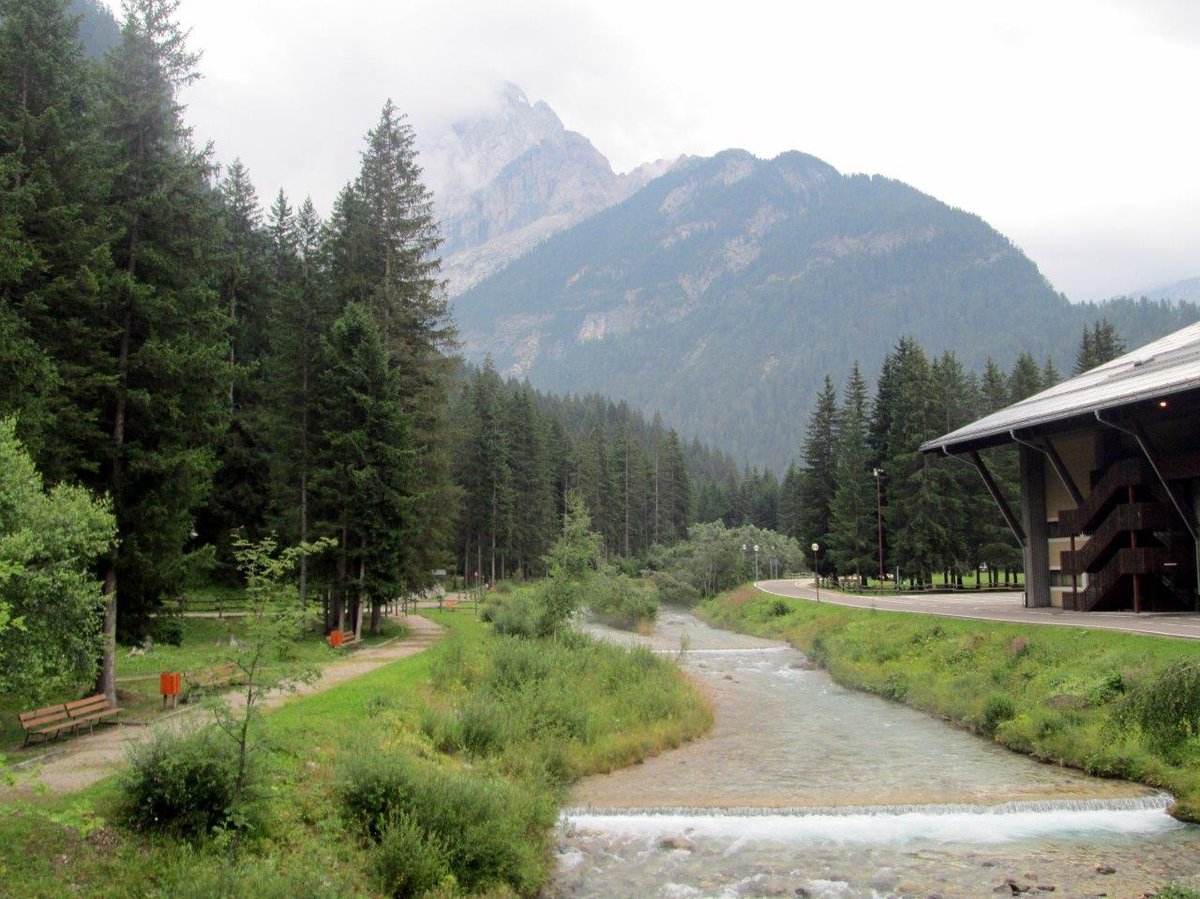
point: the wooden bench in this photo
(46, 723)
(349, 638)
(214, 678)
(91, 711)
(53, 721)
(450, 604)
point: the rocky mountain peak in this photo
(510, 176)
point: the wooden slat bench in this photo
(53, 721)
(46, 723)
(349, 638)
(215, 678)
(91, 711)
(450, 604)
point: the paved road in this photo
(999, 607)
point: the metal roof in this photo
(1167, 366)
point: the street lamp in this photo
(879, 519)
(816, 573)
(756, 561)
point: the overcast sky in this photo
(1069, 125)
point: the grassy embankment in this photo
(457, 758)
(1056, 693)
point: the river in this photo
(804, 788)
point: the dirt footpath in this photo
(78, 762)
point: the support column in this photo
(1196, 512)
(1033, 515)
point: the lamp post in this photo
(879, 519)
(816, 573)
(756, 561)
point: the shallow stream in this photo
(804, 788)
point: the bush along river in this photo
(804, 788)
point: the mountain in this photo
(1188, 291)
(99, 31)
(722, 292)
(505, 180)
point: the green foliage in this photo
(408, 861)
(712, 560)
(490, 831)
(50, 543)
(167, 629)
(183, 783)
(553, 709)
(996, 710)
(622, 601)
(571, 561)
(1167, 706)
(1176, 891)
(274, 621)
(193, 874)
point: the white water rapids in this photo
(808, 789)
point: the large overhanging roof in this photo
(1160, 369)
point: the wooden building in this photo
(1109, 480)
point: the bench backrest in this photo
(47, 715)
(92, 704)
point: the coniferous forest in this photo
(217, 364)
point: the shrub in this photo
(996, 710)
(408, 861)
(168, 629)
(516, 614)
(181, 782)
(493, 832)
(621, 601)
(1167, 707)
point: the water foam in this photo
(950, 823)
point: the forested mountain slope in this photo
(722, 293)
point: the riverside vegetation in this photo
(1111, 704)
(457, 761)
(448, 784)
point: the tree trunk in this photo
(107, 680)
(375, 617)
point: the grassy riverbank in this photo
(455, 758)
(1060, 694)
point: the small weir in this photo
(807, 789)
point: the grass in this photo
(575, 707)
(137, 674)
(1055, 693)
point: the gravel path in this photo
(78, 762)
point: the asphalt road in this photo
(998, 607)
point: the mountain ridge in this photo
(722, 292)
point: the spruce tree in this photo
(53, 237)
(165, 378)
(852, 511)
(1025, 379)
(241, 486)
(819, 479)
(1099, 345)
(300, 314)
(364, 472)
